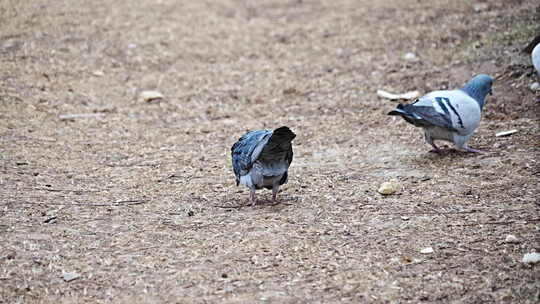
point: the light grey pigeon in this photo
(261, 159)
(536, 58)
(450, 115)
(533, 48)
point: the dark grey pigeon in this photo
(450, 115)
(261, 159)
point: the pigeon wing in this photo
(246, 150)
(431, 111)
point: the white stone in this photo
(410, 56)
(531, 258)
(511, 239)
(387, 188)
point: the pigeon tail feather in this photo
(278, 144)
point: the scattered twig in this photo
(118, 203)
(135, 250)
(61, 190)
(449, 212)
(446, 268)
(83, 115)
(140, 164)
(125, 203)
(484, 223)
(52, 218)
(229, 207)
(436, 213)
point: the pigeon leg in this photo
(435, 148)
(252, 197)
(429, 140)
(275, 190)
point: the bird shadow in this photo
(258, 203)
(453, 152)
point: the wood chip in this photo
(427, 250)
(70, 276)
(151, 95)
(506, 133)
(392, 96)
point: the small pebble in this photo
(427, 250)
(531, 258)
(410, 56)
(388, 188)
(535, 86)
(511, 239)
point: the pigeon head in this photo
(478, 87)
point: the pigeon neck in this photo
(477, 94)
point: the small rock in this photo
(535, 86)
(405, 218)
(388, 188)
(409, 56)
(511, 239)
(98, 73)
(70, 276)
(427, 250)
(480, 7)
(151, 95)
(531, 258)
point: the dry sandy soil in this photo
(137, 203)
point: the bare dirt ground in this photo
(138, 202)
